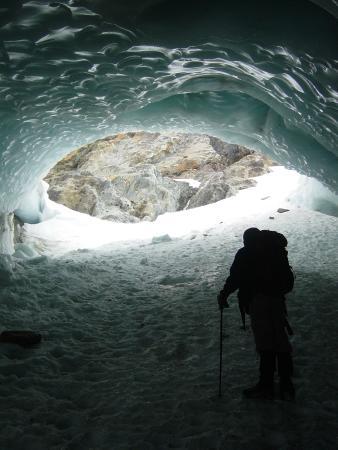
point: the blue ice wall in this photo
(260, 73)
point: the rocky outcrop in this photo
(137, 176)
(214, 188)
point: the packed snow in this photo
(190, 181)
(130, 351)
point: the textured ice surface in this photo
(129, 357)
(74, 71)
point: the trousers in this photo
(268, 323)
(267, 367)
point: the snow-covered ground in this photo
(130, 325)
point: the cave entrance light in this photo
(68, 230)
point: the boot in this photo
(264, 388)
(259, 391)
(286, 389)
(285, 372)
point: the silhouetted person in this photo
(260, 272)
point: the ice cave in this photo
(127, 307)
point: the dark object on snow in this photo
(282, 210)
(19, 337)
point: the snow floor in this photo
(130, 352)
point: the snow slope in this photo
(129, 358)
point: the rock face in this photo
(138, 176)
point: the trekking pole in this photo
(220, 353)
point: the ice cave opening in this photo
(127, 312)
(148, 185)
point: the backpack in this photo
(276, 275)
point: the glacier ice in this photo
(6, 233)
(74, 71)
(24, 251)
(32, 205)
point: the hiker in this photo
(262, 275)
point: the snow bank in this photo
(193, 183)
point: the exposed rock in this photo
(133, 176)
(149, 194)
(213, 189)
(241, 172)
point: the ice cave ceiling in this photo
(258, 73)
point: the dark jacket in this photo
(242, 276)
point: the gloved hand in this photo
(222, 301)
